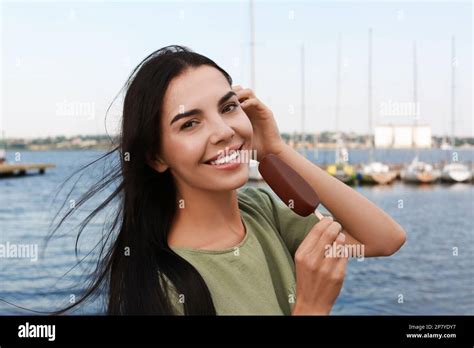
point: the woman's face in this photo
(201, 118)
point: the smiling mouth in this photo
(231, 157)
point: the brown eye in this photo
(185, 125)
(229, 107)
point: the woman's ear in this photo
(157, 163)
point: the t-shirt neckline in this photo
(221, 251)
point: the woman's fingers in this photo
(341, 260)
(243, 93)
(252, 102)
(328, 237)
(335, 258)
(313, 236)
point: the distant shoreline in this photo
(323, 140)
(321, 146)
(53, 148)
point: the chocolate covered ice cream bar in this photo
(292, 189)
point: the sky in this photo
(63, 62)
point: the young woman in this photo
(187, 239)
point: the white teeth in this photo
(226, 159)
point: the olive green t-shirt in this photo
(257, 276)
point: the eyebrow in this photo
(192, 112)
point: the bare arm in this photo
(364, 223)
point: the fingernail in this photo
(341, 237)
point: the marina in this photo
(378, 173)
(7, 169)
(19, 169)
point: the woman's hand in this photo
(319, 278)
(266, 136)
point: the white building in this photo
(402, 136)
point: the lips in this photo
(224, 151)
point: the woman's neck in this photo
(207, 220)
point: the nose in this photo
(221, 131)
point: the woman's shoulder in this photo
(257, 202)
(252, 193)
(255, 197)
(292, 227)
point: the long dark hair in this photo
(135, 256)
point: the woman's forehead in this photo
(194, 88)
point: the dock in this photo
(19, 169)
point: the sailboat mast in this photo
(303, 107)
(415, 99)
(252, 46)
(338, 97)
(453, 86)
(369, 101)
(338, 81)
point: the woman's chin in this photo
(225, 179)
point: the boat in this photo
(377, 173)
(419, 172)
(445, 145)
(472, 172)
(456, 172)
(342, 171)
(3, 156)
(373, 172)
